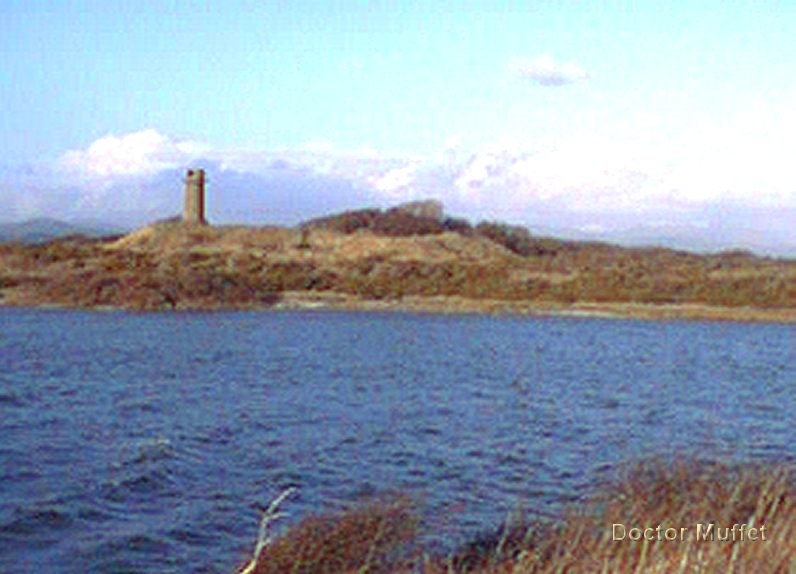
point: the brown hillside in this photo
(390, 259)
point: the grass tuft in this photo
(372, 538)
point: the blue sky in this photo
(628, 121)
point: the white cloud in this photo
(706, 181)
(546, 71)
(747, 159)
(453, 142)
(395, 179)
(140, 153)
(592, 180)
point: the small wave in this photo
(34, 521)
(138, 405)
(148, 452)
(134, 552)
(151, 485)
(19, 474)
(222, 435)
(11, 399)
(191, 537)
(763, 409)
(428, 431)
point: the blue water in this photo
(151, 442)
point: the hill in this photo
(405, 259)
(44, 229)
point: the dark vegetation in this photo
(386, 537)
(395, 222)
(378, 255)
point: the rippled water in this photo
(150, 442)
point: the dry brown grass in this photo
(383, 537)
(174, 266)
(375, 537)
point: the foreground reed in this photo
(685, 516)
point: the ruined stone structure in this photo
(195, 197)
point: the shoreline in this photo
(456, 305)
(601, 310)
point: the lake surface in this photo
(150, 442)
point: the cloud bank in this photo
(730, 187)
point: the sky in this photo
(642, 122)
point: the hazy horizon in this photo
(653, 124)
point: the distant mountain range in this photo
(44, 229)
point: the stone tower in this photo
(195, 197)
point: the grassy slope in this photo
(458, 267)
